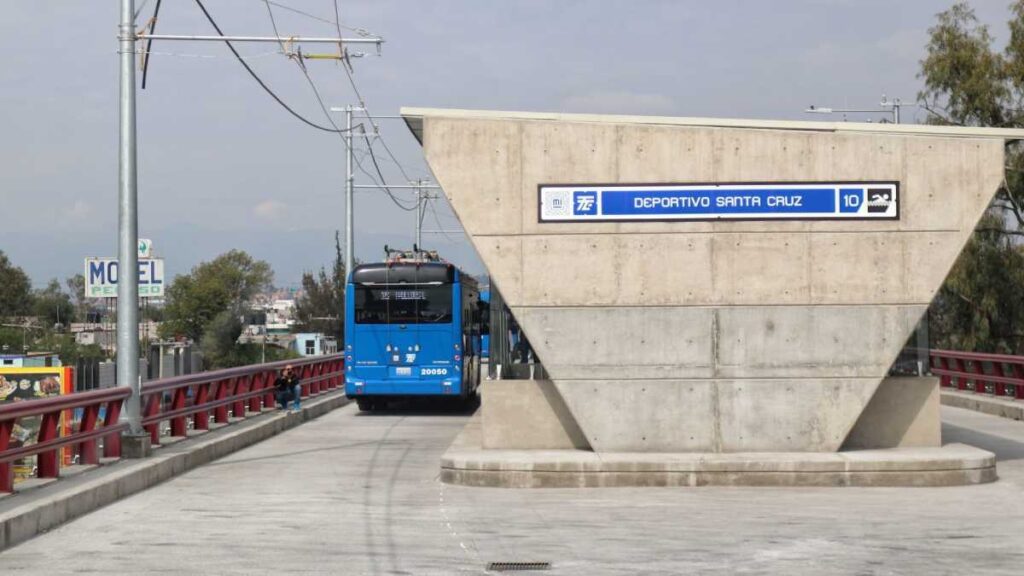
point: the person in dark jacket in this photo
(288, 388)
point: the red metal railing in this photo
(49, 442)
(224, 394)
(998, 374)
(229, 393)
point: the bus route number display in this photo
(748, 201)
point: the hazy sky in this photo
(222, 166)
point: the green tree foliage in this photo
(967, 82)
(76, 290)
(15, 289)
(52, 306)
(980, 306)
(220, 337)
(226, 283)
(321, 308)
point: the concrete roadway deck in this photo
(359, 494)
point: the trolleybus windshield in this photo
(403, 304)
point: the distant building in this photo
(104, 334)
(29, 360)
(314, 344)
(280, 315)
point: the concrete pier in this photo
(716, 335)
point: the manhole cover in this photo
(517, 566)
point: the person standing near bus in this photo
(289, 388)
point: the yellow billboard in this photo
(25, 385)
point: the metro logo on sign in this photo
(584, 203)
(748, 201)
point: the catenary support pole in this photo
(419, 219)
(349, 221)
(128, 233)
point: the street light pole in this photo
(892, 105)
(128, 233)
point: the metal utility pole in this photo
(420, 210)
(128, 231)
(343, 55)
(349, 178)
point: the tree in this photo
(76, 289)
(979, 307)
(321, 308)
(228, 282)
(969, 83)
(52, 306)
(220, 337)
(15, 289)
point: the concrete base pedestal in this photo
(467, 463)
(135, 446)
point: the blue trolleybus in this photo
(485, 337)
(412, 329)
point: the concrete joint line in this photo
(125, 478)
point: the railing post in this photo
(978, 368)
(958, 366)
(241, 387)
(1018, 387)
(255, 383)
(220, 413)
(306, 386)
(944, 379)
(153, 410)
(268, 386)
(178, 424)
(47, 463)
(999, 387)
(309, 375)
(6, 470)
(201, 417)
(112, 442)
(87, 448)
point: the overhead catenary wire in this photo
(260, 80)
(362, 102)
(149, 43)
(361, 31)
(327, 114)
(256, 56)
(437, 221)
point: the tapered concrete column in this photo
(717, 335)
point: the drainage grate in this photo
(517, 566)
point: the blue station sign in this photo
(748, 201)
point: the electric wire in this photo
(361, 31)
(437, 221)
(257, 56)
(260, 80)
(149, 42)
(327, 114)
(373, 158)
(362, 103)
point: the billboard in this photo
(25, 385)
(101, 276)
(747, 201)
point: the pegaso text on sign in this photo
(101, 276)
(747, 201)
